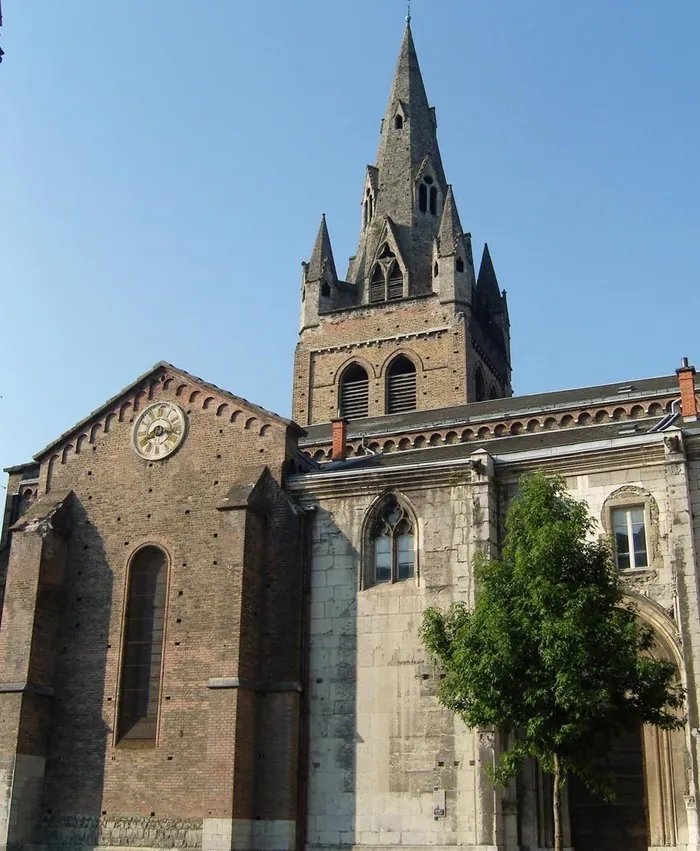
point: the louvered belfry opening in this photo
(354, 393)
(377, 286)
(395, 282)
(401, 386)
(143, 645)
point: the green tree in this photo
(550, 652)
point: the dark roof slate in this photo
(507, 408)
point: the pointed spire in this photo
(410, 179)
(322, 257)
(450, 226)
(487, 283)
(408, 132)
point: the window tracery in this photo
(391, 544)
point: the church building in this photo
(210, 613)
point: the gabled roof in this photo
(162, 366)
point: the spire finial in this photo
(408, 16)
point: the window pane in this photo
(640, 545)
(622, 543)
(623, 561)
(405, 556)
(620, 520)
(382, 559)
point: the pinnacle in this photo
(450, 226)
(322, 255)
(487, 282)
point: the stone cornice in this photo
(583, 458)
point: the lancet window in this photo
(392, 544)
(387, 281)
(142, 653)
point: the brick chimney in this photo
(340, 435)
(686, 380)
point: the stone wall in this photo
(388, 766)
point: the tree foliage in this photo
(551, 652)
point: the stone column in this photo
(31, 615)
(483, 538)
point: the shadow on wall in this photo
(333, 722)
(79, 733)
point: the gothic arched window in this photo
(433, 200)
(399, 122)
(142, 655)
(423, 198)
(401, 386)
(391, 543)
(368, 207)
(460, 264)
(386, 283)
(354, 392)
(479, 385)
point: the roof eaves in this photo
(158, 366)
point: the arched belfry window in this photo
(387, 280)
(354, 392)
(401, 386)
(423, 198)
(392, 546)
(479, 385)
(398, 123)
(142, 653)
(368, 208)
(428, 196)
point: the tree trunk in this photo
(558, 839)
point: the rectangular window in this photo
(382, 559)
(630, 537)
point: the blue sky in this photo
(165, 164)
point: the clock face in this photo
(159, 430)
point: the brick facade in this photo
(231, 687)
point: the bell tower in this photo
(411, 327)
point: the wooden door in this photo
(621, 824)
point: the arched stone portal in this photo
(649, 767)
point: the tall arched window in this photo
(354, 392)
(401, 386)
(433, 200)
(479, 385)
(423, 198)
(392, 544)
(144, 628)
